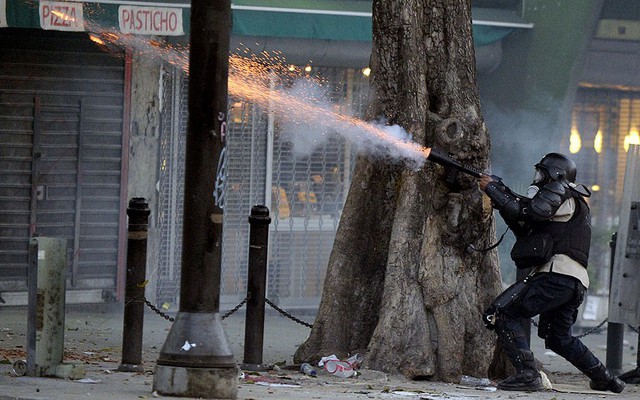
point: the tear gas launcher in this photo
(439, 157)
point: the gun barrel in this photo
(439, 157)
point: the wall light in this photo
(366, 71)
(631, 138)
(575, 142)
(597, 142)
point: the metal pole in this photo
(259, 221)
(196, 358)
(138, 212)
(615, 331)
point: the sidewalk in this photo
(95, 339)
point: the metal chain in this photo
(171, 319)
(158, 311)
(234, 309)
(596, 328)
(590, 331)
(286, 314)
(230, 312)
(299, 321)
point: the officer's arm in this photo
(504, 201)
(546, 202)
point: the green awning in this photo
(348, 20)
(324, 20)
(345, 20)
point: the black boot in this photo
(602, 379)
(527, 378)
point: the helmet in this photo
(558, 167)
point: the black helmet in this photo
(558, 167)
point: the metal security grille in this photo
(61, 107)
(604, 123)
(246, 176)
(173, 109)
(305, 193)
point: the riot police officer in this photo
(553, 231)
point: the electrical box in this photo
(624, 302)
(45, 315)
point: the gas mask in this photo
(540, 177)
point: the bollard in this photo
(615, 331)
(259, 221)
(134, 300)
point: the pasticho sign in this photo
(61, 16)
(163, 21)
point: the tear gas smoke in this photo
(309, 118)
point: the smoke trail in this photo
(310, 124)
(308, 115)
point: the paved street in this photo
(94, 338)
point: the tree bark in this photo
(403, 286)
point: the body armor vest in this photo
(573, 237)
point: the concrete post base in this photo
(205, 383)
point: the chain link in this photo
(158, 311)
(590, 331)
(230, 312)
(171, 319)
(594, 329)
(299, 321)
(234, 309)
(286, 314)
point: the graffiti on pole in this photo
(220, 188)
(223, 125)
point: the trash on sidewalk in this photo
(187, 346)
(266, 380)
(308, 369)
(341, 369)
(467, 380)
(87, 380)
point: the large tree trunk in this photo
(402, 285)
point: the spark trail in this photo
(249, 79)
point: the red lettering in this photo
(61, 16)
(126, 16)
(150, 20)
(163, 21)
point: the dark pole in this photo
(138, 212)
(615, 331)
(259, 221)
(196, 360)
